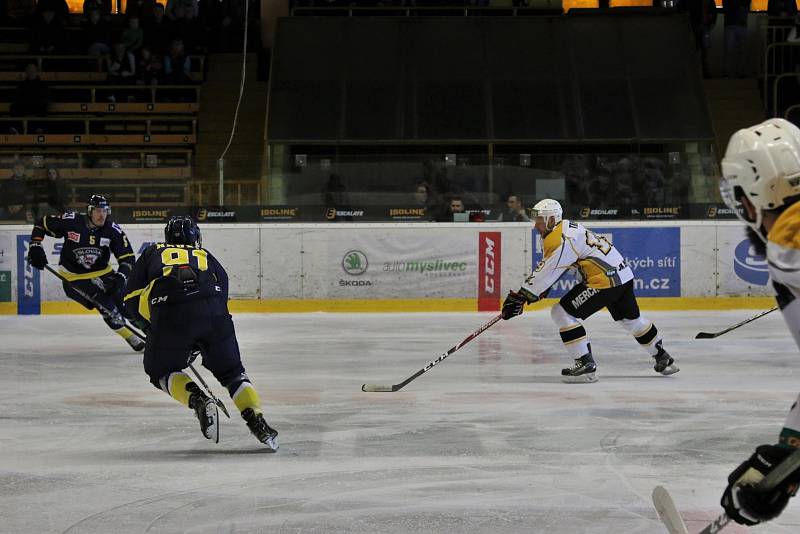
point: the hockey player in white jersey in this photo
(761, 182)
(605, 281)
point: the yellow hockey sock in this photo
(176, 386)
(246, 397)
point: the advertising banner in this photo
(652, 253)
(489, 270)
(437, 263)
(28, 290)
(741, 271)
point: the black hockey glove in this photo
(114, 282)
(36, 255)
(746, 504)
(515, 301)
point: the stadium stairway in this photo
(734, 104)
(217, 105)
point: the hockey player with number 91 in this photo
(761, 182)
(605, 281)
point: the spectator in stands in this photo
(736, 13)
(15, 194)
(653, 185)
(179, 9)
(783, 9)
(96, 34)
(158, 31)
(577, 178)
(59, 8)
(47, 34)
(149, 68)
(514, 211)
(49, 195)
(103, 6)
(133, 36)
(121, 65)
(623, 178)
(177, 65)
(334, 193)
(454, 204)
(31, 96)
(702, 17)
(143, 9)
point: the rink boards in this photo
(422, 266)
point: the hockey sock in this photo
(175, 385)
(572, 332)
(644, 331)
(246, 397)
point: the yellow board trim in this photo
(427, 305)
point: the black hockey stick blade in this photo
(706, 335)
(712, 335)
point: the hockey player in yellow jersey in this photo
(761, 182)
(605, 281)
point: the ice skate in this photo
(260, 429)
(206, 410)
(582, 372)
(664, 362)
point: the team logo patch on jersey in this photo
(105, 242)
(87, 256)
(74, 236)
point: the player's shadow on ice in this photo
(557, 379)
(218, 451)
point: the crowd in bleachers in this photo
(25, 196)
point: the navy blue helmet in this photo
(182, 230)
(98, 201)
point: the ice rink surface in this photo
(488, 441)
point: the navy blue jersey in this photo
(169, 274)
(87, 248)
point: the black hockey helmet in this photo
(98, 201)
(182, 230)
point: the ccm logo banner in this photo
(489, 258)
(28, 291)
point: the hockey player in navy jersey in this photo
(178, 293)
(89, 240)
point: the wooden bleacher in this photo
(71, 68)
(94, 99)
(132, 177)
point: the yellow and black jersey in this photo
(573, 246)
(783, 259)
(172, 273)
(86, 248)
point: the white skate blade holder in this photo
(587, 378)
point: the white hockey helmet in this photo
(547, 208)
(763, 164)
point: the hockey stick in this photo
(672, 519)
(107, 312)
(397, 387)
(712, 335)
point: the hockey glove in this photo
(748, 505)
(515, 301)
(114, 282)
(36, 255)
